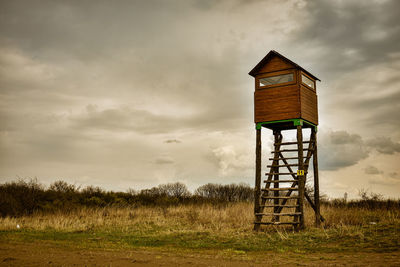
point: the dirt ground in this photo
(45, 254)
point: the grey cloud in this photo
(353, 33)
(384, 145)
(343, 137)
(123, 119)
(341, 149)
(164, 160)
(372, 170)
(389, 99)
(389, 179)
(74, 29)
(384, 181)
(170, 141)
(375, 102)
(146, 122)
(383, 110)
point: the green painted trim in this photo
(312, 125)
(296, 122)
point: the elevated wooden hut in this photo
(285, 98)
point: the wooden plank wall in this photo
(309, 104)
(277, 103)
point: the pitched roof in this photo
(272, 53)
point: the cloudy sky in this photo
(124, 94)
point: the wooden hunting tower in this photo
(285, 98)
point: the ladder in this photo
(281, 199)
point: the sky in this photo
(132, 94)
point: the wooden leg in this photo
(300, 176)
(278, 140)
(257, 186)
(275, 162)
(316, 180)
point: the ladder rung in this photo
(286, 165)
(280, 189)
(282, 173)
(271, 197)
(280, 181)
(291, 143)
(278, 214)
(276, 223)
(283, 206)
(283, 158)
(290, 150)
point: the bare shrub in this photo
(229, 193)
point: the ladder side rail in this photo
(271, 171)
(268, 183)
(300, 177)
(278, 139)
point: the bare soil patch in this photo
(48, 254)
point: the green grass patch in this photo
(374, 238)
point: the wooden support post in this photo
(300, 176)
(310, 201)
(316, 179)
(257, 185)
(277, 141)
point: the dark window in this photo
(284, 78)
(307, 81)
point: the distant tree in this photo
(207, 191)
(230, 192)
(178, 190)
(93, 191)
(366, 195)
(131, 192)
(63, 187)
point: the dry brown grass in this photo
(236, 217)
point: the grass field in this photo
(226, 228)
